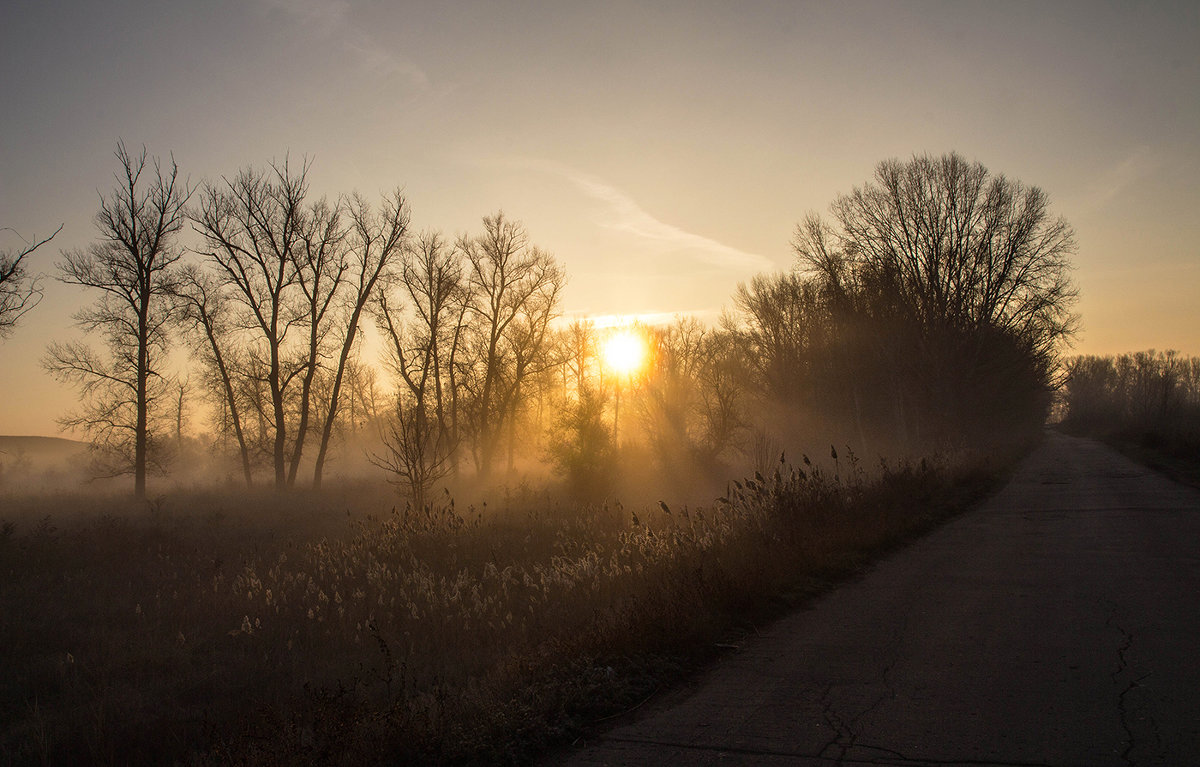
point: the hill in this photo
(40, 448)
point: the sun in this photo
(624, 352)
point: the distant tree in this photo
(19, 291)
(132, 267)
(514, 290)
(579, 348)
(416, 453)
(375, 242)
(669, 401)
(424, 342)
(691, 403)
(1149, 395)
(581, 447)
(362, 408)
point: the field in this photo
(216, 627)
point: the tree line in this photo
(1149, 395)
(928, 310)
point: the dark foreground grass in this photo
(213, 629)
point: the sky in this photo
(662, 151)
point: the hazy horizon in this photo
(662, 155)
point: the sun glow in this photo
(624, 352)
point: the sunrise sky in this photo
(662, 151)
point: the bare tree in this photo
(416, 452)
(19, 291)
(722, 394)
(131, 266)
(958, 246)
(778, 316)
(514, 293)
(579, 348)
(423, 344)
(204, 309)
(376, 240)
(254, 227)
(963, 280)
(320, 268)
(1151, 397)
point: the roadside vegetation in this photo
(308, 632)
(1146, 403)
(515, 527)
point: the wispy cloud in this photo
(323, 13)
(331, 19)
(1108, 185)
(622, 213)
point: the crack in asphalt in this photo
(845, 735)
(836, 725)
(1125, 706)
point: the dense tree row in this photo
(928, 312)
(1148, 394)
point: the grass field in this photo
(248, 627)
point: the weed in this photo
(428, 634)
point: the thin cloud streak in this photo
(624, 214)
(1138, 164)
(330, 18)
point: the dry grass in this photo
(309, 633)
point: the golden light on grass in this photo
(625, 352)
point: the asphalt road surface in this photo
(1056, 624)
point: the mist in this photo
(365, 468)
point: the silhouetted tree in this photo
(777, 317)
(514, 290)
(722, 395)
(967, 277)
(375, 241)
(204, 309)
(416, 453)
(321, 265)
(424, 342)
(581, 446)
(131, 266)
(19, 291)
(258, 228)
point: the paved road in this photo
(1057, 624)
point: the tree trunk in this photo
(143, 375)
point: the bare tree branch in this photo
(19, 291)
